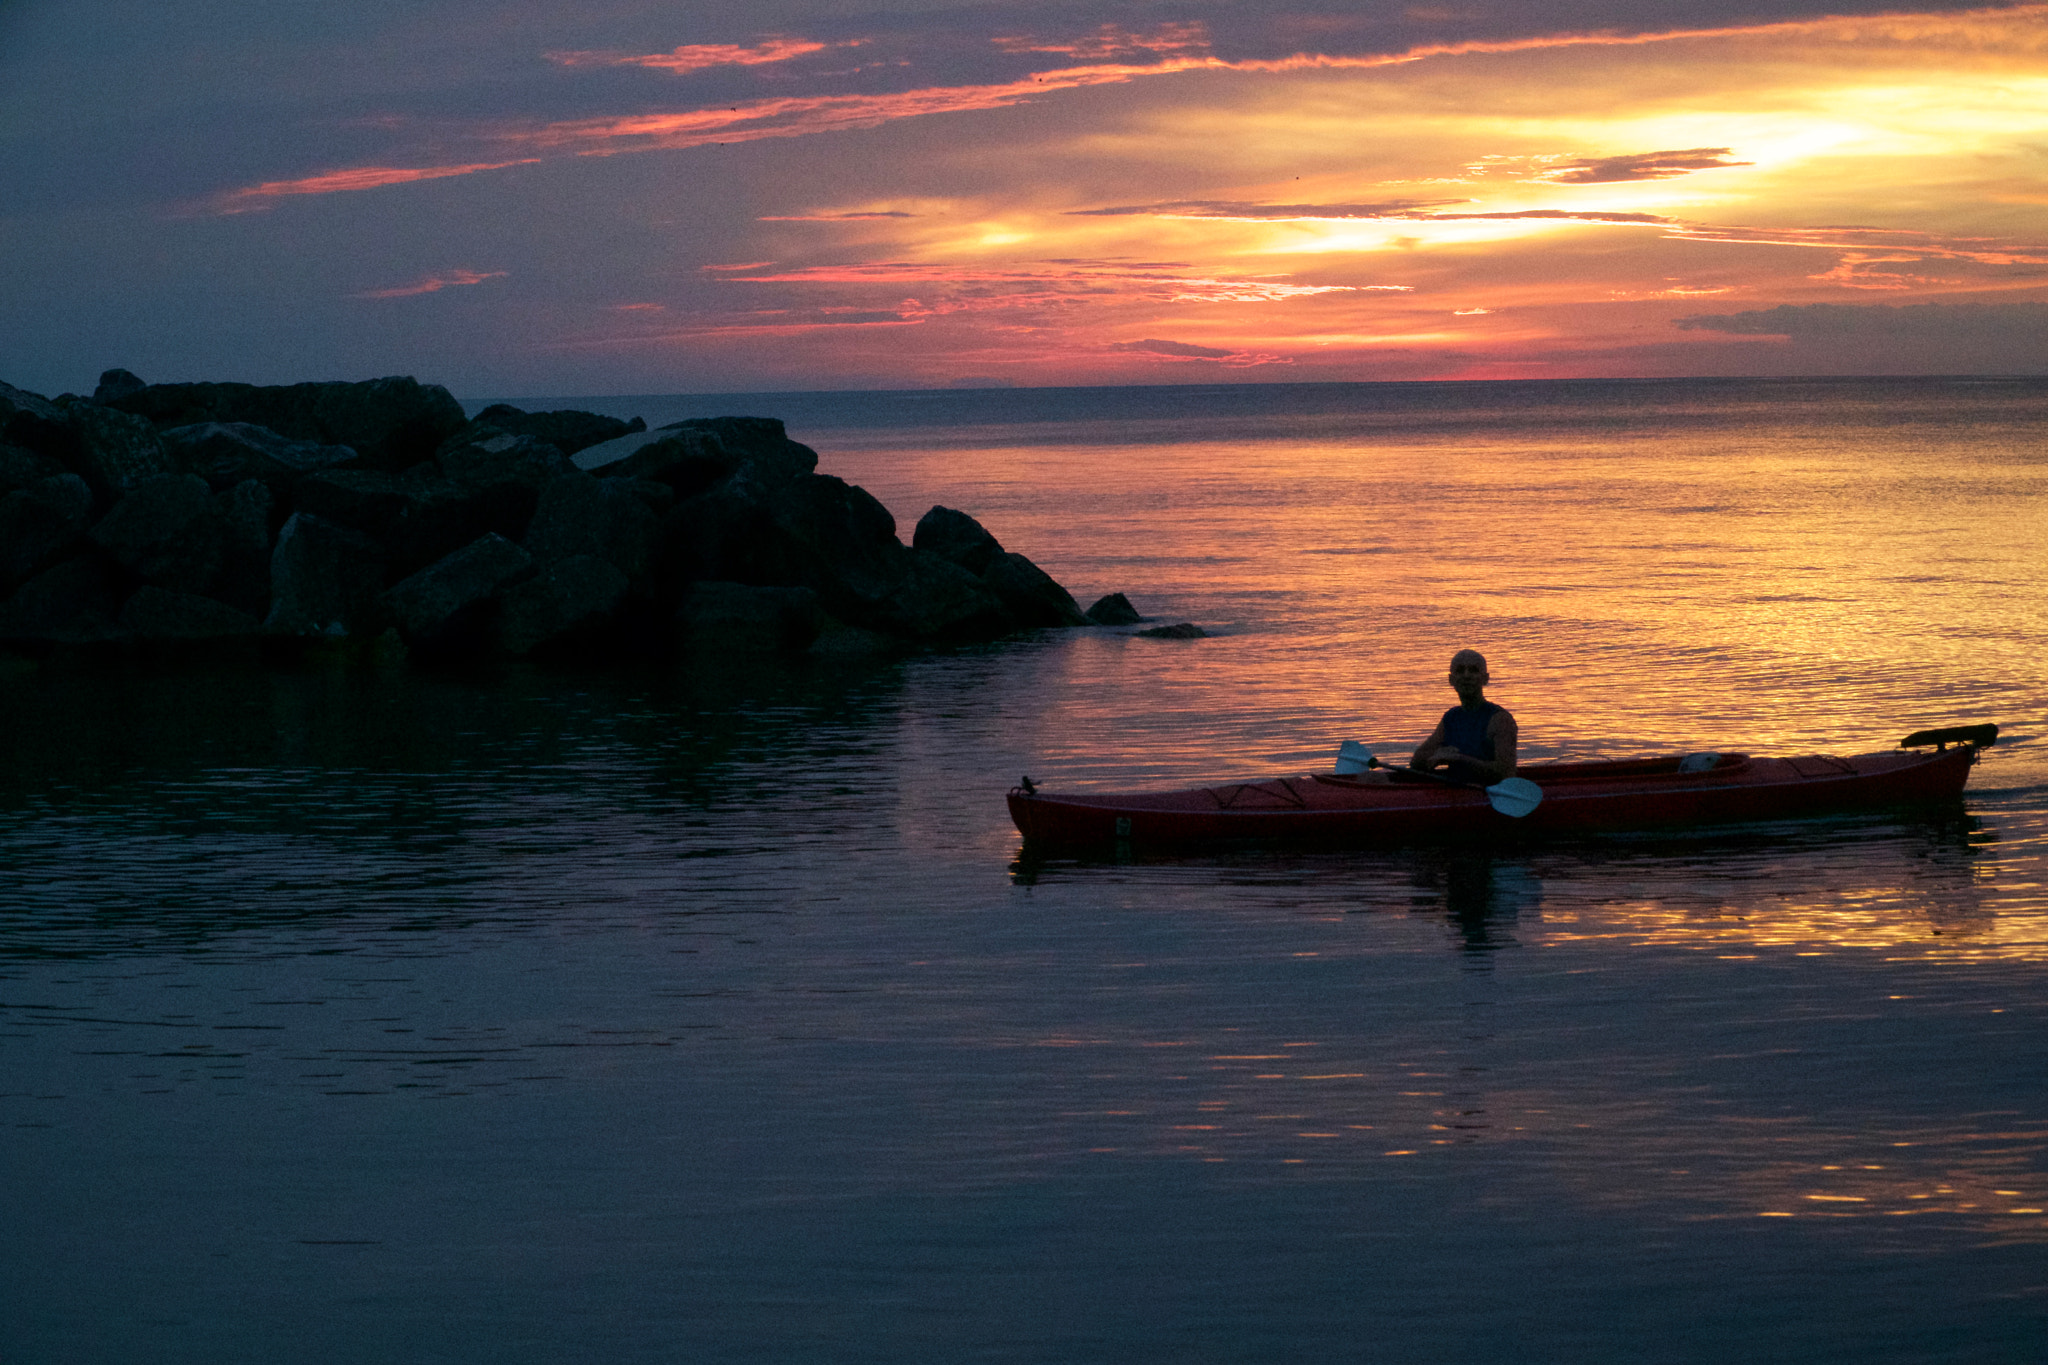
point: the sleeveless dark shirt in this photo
(1465, 730)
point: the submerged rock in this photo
(1186, 630)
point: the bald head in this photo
(1469, 676)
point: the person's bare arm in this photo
(1501, 730)
(1504, 734)
(1425, 752)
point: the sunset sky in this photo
(527, 197)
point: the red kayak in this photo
(1396, 807)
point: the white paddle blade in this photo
(1353, 757)
(1515, 796)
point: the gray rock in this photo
(119, 450)
(427, 606)
(392, 423)
(580, 514)
(1186, 630)
(73, 602)
(38, 522)
(155, 613)
(20, 467)
(35, 423)
(518, 461)
(325, 580)
(835, 539)
(687, 461)
(116, 384)
(1115, 609)
(958, 537)
(419, 516)
(723, 534)
(225, 453)
(936, 599)
(757, 445)
(167, 532)
(1030, 593)
(739, 618)
(245, 518)
(566, 429)
(565, 601)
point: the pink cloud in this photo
(802, 116)
(433, 284)
(1108, 40)
(697, 57)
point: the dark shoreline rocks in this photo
(182, 516)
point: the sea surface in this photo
(716, 1013)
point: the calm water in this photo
(717, 1015)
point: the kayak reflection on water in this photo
(1481, 895)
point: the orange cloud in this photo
(258, 197)
(801, 116)
(1609, 170)
(433, 284)
(686, 59)
(1071, 278)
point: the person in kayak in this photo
(1475, 741)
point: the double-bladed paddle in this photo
(1511, 796)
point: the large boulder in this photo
(419, 516)
(1030, 594)
(958, 537)
(504, 475)
(437, 605)
(689, 462)
(117, 384)
(937, 600)
(569, 600)
(35, 423)
(724, 619)
(566, 429)
(393, 423)
(20, 467)
(245, 513)
(836, 539)
(167, 532)
(759, 445)
(38, 522)
(71, 602)
(118, 451)
(325, 580)
(612, 519)
(155, 613)
(225, 453)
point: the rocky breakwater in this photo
(347, 513)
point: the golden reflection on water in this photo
(1775, 579)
